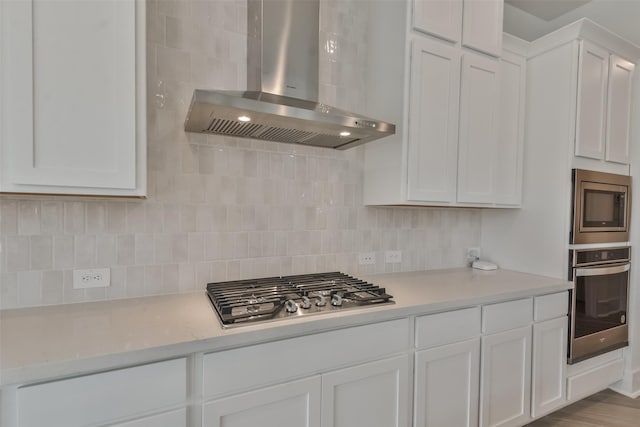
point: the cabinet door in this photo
(373, 395)
(482, 25)
(593, 71)
(549, 366)
(73, 95)
(619, 109)
(505, 385)
(441, 18)
(176, 418)
(479, 104)
(433, 122)
(294, 404)
(443, 372)
(508, 168)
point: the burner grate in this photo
(244, 301)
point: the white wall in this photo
(223, 208)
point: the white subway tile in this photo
(17, 253)
(74, 217)
(85, 251)
(29, 217)
(41, 252)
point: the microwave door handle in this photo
(581, 272)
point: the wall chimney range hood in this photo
(281, 103)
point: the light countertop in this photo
(63, 340)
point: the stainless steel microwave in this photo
(601, 207)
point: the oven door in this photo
(598, 311)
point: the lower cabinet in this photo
(373, 394)
(446, 385)
(293, 404)
(505, 389)
(107, 397)
(549, 366)
(176, 418)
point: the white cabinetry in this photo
(373, 394)
(73, 113)
(307, 383)
(293, 404)
(440, 18)
(507, 187)
(452, 145)
(433, 151)
(603, 104)
(505, 384)
(477, 23)
(482, 25)
(479, 105)
(128, 392)
(506, 378)
(176, 418)
(549, 366)
(443, 372)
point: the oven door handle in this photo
(581, 272)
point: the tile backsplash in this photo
(221, 208)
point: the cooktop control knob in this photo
(291, 306)
(321, 300)
(305, 302)
(336, 300)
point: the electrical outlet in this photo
(92, 278)
(473, 254)
(367, 258)
(393, 257)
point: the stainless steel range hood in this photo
(281, 103)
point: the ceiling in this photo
(547, 9)
(531, 19)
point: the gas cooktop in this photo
(247, 301)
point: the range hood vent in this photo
(282, 76)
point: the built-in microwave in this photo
(601, 207)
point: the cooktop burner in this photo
(247, 301)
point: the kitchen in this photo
(217, 209)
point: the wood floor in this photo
(606, 409)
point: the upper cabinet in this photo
(601, 66)
(458, 110)
(482, 25)
(477, 23)
(440, 18)
(72, 87)
(603, 104)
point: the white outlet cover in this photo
(91, 278)
(367, 258)
(393, 257)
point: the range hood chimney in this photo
(281, 101)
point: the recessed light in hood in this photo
(282, 74)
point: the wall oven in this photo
(601, 207)
(599, 301)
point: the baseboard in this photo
(629, 385)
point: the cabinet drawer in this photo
(448, 327)
(506, 315)
(242, 369)
(99, 398)
(550, 306)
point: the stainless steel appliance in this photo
(281, 101)
(601, 207)
(246, 301)
(599, 301)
